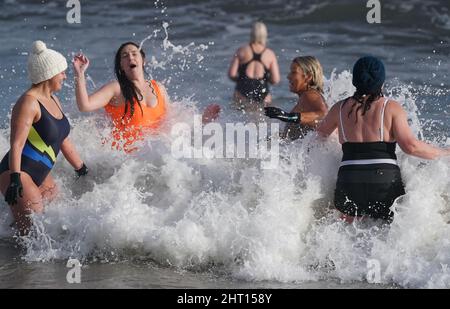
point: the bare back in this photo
(255, 69)
(374, 126)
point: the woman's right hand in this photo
(80, 64)
(14, 190)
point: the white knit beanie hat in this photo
(44, 63)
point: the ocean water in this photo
(150, 220)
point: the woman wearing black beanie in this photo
(369, 127)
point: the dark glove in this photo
(82, 170)
(277, 113)
(14, 190)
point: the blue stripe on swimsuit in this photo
(34, 155)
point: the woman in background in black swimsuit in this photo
(39, 130)
(253, 67)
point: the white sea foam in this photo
(231, 216)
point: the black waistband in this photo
(368, 150)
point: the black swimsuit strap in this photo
(63, 116)
(256, 56)
(57, 104)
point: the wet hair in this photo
(364, 101)
(259, 33)
(311, 66)
(129, 91)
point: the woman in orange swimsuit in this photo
(134, 104)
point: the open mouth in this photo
(133, 66)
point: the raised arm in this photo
(406, 139)
(100, 98)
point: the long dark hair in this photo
(364, 101)
(129, 91)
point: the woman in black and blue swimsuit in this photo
(369, 127)
(39, 130)
(253, 68)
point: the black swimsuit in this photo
(42, 146)
(253, 89)
(369, 179)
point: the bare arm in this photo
(23, 115)
(406, 139)
(98, 99)
(274, 71)
(234, 66)
(71, 154)
(315, 107)
(329, 123)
